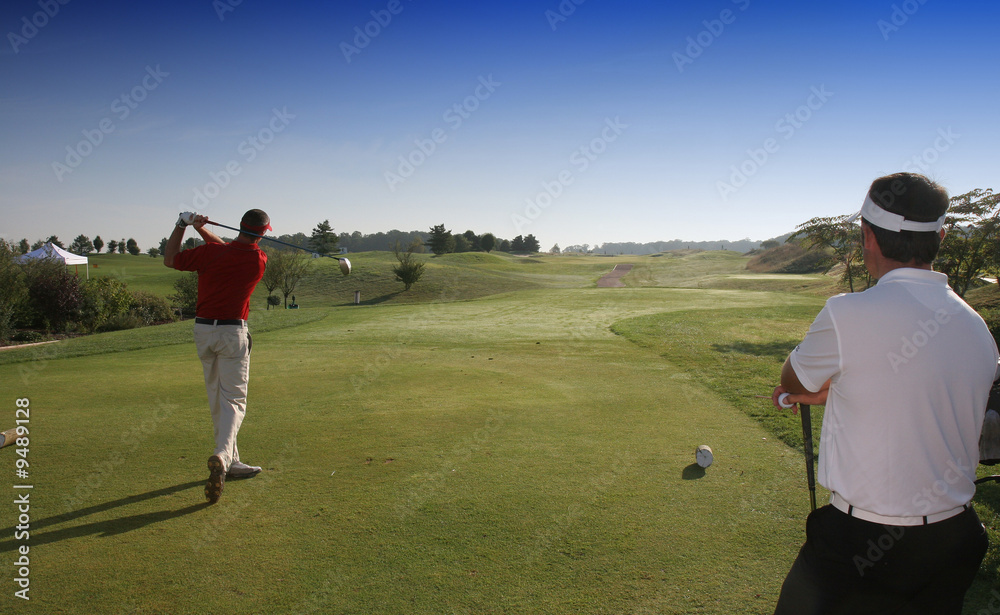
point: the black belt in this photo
(213, 322)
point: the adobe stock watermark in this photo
(454, 116)
(562, 12)
(248, 149)
(878, 548)
(910, 346)
(787, 127)
(921, 163)
(364, 35)
(225, 6)
(121, 108)
(697, 44)
(579, 161)
(899, 16)
(31, 25)
(928, 497)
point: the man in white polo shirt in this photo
(904, 370)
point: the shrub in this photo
(150, 309)
(104, 299)
(185, 300)
(54, 295)
(119, 322)
(13, 290)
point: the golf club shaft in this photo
(284, 243)
(807, 442)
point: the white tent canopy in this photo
(50, 250)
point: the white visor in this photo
(881, 218)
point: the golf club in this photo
(807, 442)
(345, 265)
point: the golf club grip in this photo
(807, 445)
(7, 437)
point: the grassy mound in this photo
(789, 258)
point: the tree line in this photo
(82, 245)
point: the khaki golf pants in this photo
(224, 351)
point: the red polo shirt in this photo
(227, 275)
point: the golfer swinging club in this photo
(227, 276)
(904, 369)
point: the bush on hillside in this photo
(104, 299)
(185, 299)
(150, 309)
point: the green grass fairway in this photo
(528, 449)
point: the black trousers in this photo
(852, 566)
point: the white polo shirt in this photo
(911, 367)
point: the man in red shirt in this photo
(227, 276)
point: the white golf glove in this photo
(185, 219)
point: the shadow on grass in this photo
(376, 300)
(110, 527)
(776, 350)
(693, 472)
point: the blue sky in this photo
(576, 121)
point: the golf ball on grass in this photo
(703, 456)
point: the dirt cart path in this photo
(613, 279)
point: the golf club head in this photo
(345, 266)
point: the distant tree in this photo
(272, 274)
(295, 266)
(24, 247)
(504, 245)
(37, 244)
(190, 242)
(462, 244)
(112, 246)
(274, 300)
(121, 246)
(153, 252)
(133, 247)
(55, 241)
(98, 244)
(969, 248)
(841, 239)
(163, 245)
(284, 270)
(517, 244)
(323, 239)
(487, 242)
(81, 245)
(409, 270)
(298, 239)
(555, 249)
(441, 240)
(531, 244)
(473, 240)
(768, 244)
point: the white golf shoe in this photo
(238, 469)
